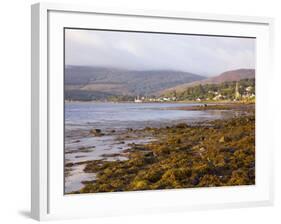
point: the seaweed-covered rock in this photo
(220, 153)
(182, 125)
(222, 139)
(96, 132)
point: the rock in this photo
(148, 154)
(88, 182)
(80, 156)
(139, 185)
(224, 139)
(69, 164)
(196, 147)
(202, 149)
(221, 139)
(110, 155)
(181, 125)
(178, 141)
(195, 181)
(76, 141)
(224, 150)
(96, 132)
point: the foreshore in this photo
(204, 154)
(220, 106)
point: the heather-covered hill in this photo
(92, 83)
(229, 76)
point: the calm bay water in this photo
(128, 115)
(81, 117)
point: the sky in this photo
(202, 55)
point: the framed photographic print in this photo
(148, 111)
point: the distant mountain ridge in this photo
(228, 76)
(85, 82)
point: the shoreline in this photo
(183, 153)
(157, 102)
(219, 106)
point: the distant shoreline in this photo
(170, 102)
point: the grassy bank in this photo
(217, 153)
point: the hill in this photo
(229, 76)
(97, 83)
(243, 89)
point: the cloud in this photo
(205, 55)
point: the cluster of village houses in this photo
(248, 95)
(156, 99)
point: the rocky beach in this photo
(216, 149)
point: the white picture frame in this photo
(48, 201)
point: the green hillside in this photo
(243, 89)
